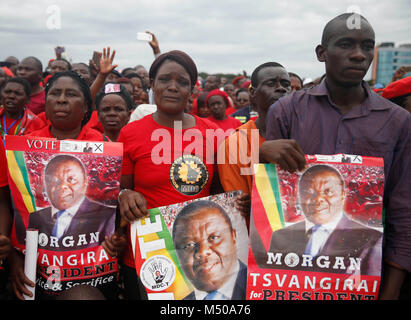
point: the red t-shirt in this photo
(94, 123)
(165, 173)
(29, 126)
(37, 102)
(3, 167)
(230, 110)
(85, 134)
(226, 124)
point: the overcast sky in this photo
(221, 36)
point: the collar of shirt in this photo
(370, 103)
(328, 226)
(71, 211)
(227, 289)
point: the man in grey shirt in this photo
(342, 115)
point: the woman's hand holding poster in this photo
(196, 250)
(67, 190)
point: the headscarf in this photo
(218, 92)
(181, 58)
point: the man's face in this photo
(348, 53)
(295, 84)
(211, 83)
(273, 83)
(144, 75)
(206, 248)
(58, 66)
(27, 69)
(322, 197)
(66, 184)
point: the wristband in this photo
(119, 194)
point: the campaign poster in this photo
(317, 234)
(67, 190)
(196, 250)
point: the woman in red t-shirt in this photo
(15, 119)
(155, 152)
(218, 103)
(114, 105)
(68, 108)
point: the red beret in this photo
(397, 88)
(218, 92)
(237, 78)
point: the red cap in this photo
(397, 88)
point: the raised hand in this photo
(154, 43)
(106, 61)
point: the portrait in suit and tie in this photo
(327, 230)
(71, 213)
(206, 246)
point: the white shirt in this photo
(141, 111)
(328, 229)
(227, 288)
(65, 219)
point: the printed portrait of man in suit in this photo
(327, 230)
(71, 213)
(205, 242)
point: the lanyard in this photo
(6, 130)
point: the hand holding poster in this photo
(66, 190)
(194, 250)
(317, 234)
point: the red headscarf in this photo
(237, 78)
(218, 92)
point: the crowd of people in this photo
(96, 101)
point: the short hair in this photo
(135, 75)
(123, 93)
(292, 74)
(84, 87)
(23, 82)
(181, 58)
(254, 75)
(62, 59)
(196, 206)
(314, 170)
(240, 90)
(54, 162)
(38, 63)
(83, 64)
(329, 27)
(125, 70)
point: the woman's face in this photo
(14, 99)
(243, 99)
(138, 94)
(217, 106)
(65, 104)
(172, 88)
(113, 113)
